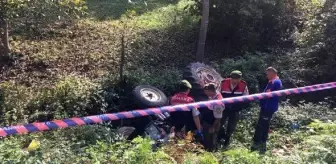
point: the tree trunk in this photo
(4, 26)
(122, 59)
(203, 31)
(5, 39)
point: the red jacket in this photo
(227, 92)
(237, 91)
(181, 98)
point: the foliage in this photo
(324, 128)
(142, 153)
(322, 148)
(314, 59)
(240, 156)
(100, 144)
(71, 96)
(204, 158)
(34, 13)
(30, 18)
(251, 65)
(241, 26)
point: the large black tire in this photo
(146, 96)
(199, 74)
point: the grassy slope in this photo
(89, 49)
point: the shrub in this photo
(251, 65)
(71, 96)
(15, 99)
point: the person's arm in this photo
(276, 86)
(246, 91)
(245, 105)
(197, 121)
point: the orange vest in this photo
(228, 92)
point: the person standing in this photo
(267, 108)
(189, 120)
(232, 87)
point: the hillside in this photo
(70, 68)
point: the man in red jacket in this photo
(189, 120)
(232, 87)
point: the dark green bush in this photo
(69, 97)
(252, 66)
(75, 96)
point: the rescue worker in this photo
(231, 87)
(189, 120)
(267, 108)
(211, 117)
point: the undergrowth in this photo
(312, 142)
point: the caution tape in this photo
(57, 124)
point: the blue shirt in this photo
(271, 104)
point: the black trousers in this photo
(232, 116)
(210, 139)
(182, 119)
(261, 132)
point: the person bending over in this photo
(180, 119)
(211, 117)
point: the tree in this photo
(203, 31)
(4, 27)
(33, 13)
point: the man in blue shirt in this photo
(267, 108)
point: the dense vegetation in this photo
(65, 61)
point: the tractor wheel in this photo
(199, 74)
(147, 97)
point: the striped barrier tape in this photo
(44, 126)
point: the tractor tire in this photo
(199, 74)
(146, 96)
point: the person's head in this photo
(236, 77)
(271, 73)
(185, 86)
(210, 89)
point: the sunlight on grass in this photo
(155, 14)
(170, 15)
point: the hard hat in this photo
(236, 74)
(186, 84)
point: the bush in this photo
(71, 96)
(76, 96)
(252, 66)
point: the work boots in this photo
(261, 147)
